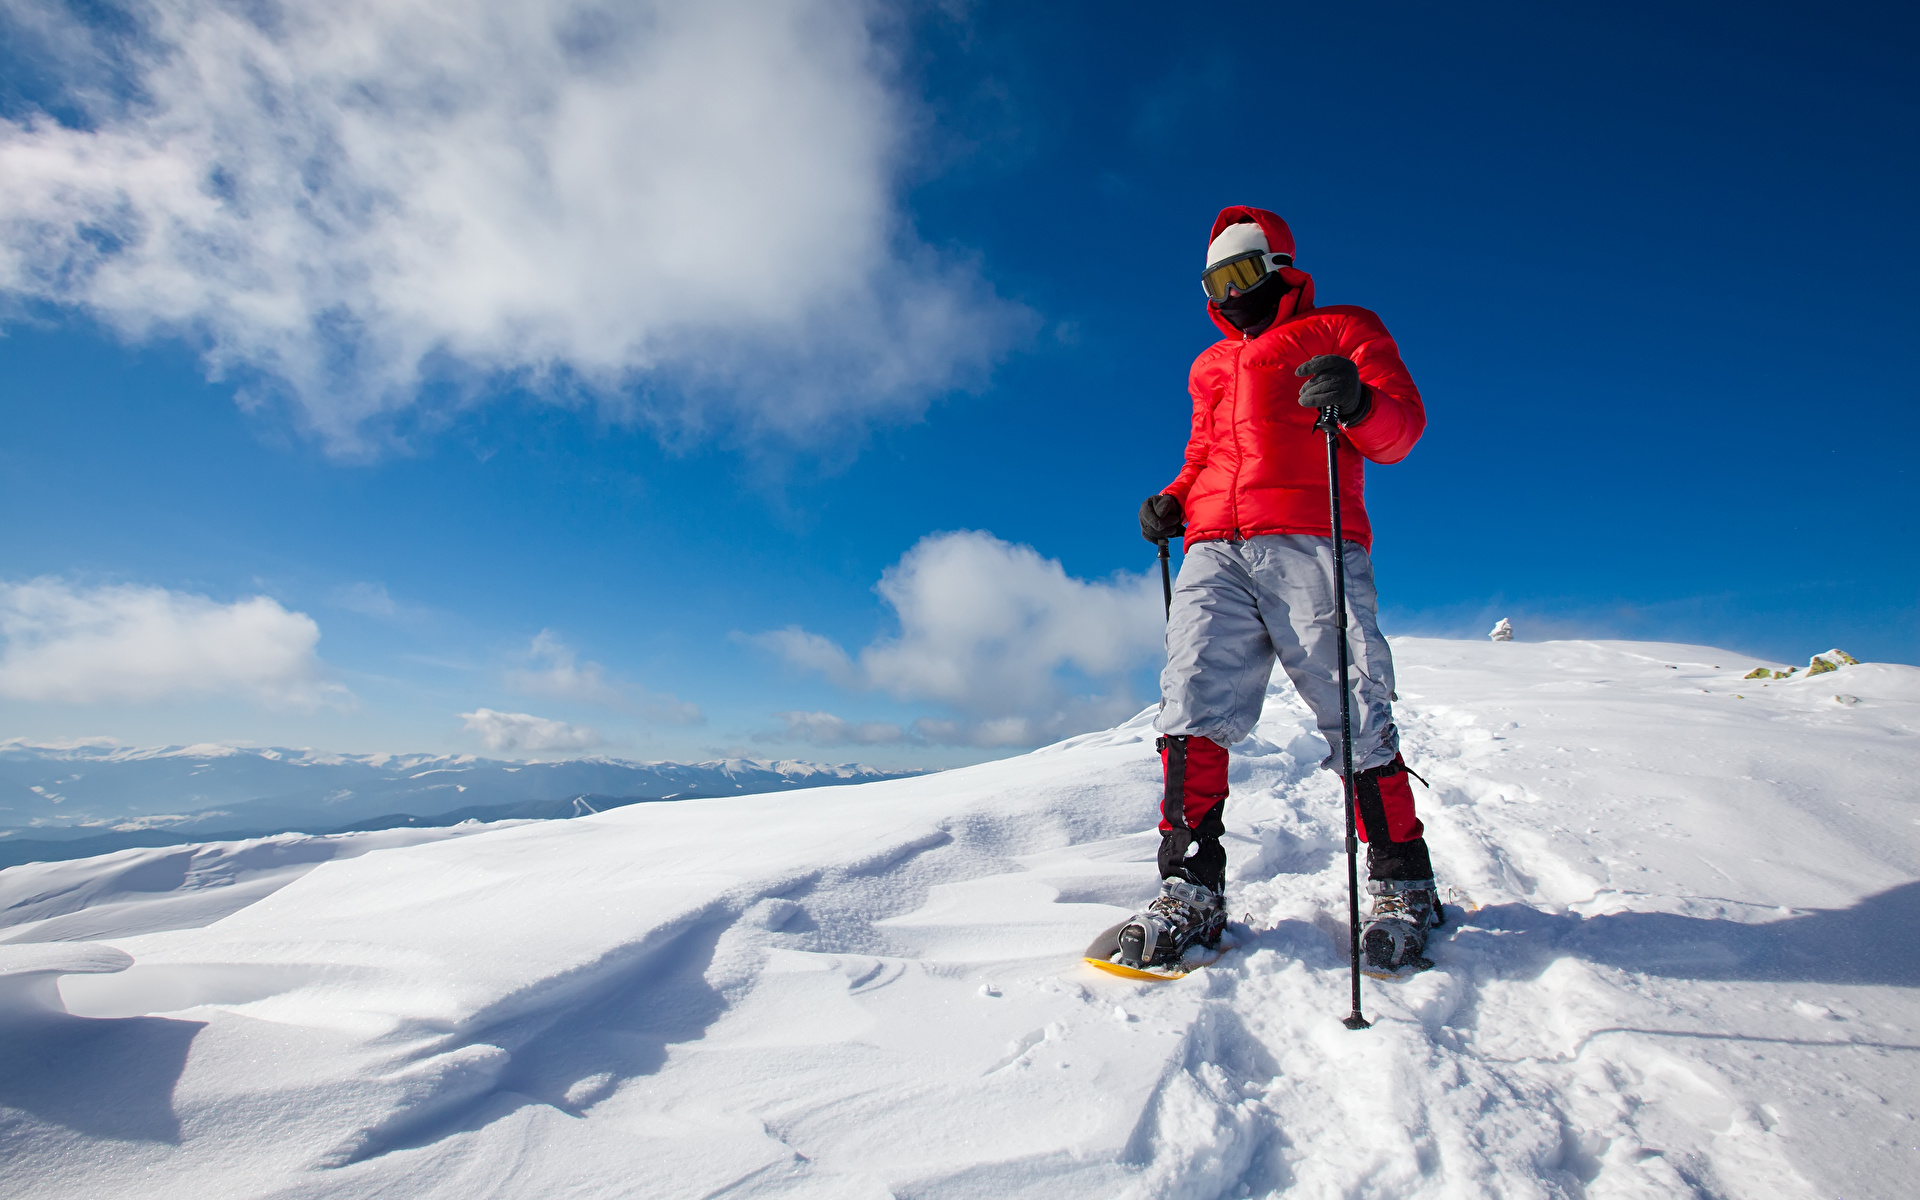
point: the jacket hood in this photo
(1279, 239)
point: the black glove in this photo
(1160, 518)
(1336, 382)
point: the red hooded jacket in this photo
(1255, 463)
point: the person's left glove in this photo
(1335, 383)
(1160, 518)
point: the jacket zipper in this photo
(1239, 374)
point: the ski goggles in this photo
(1240, 273)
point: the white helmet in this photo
(1239, 259)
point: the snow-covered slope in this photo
(1692, 972)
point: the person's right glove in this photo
(1161, 518)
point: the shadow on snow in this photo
(1869, 943)
(110, 1078)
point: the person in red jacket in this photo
(1257, 582)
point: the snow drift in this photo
(1689, 970)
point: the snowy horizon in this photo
(60, 804)
(121, 751)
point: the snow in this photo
(174, 887)
(1691, 971)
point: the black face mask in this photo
(1252, 311)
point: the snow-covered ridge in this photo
(1688, 971)
(106, 750)
(78, 789)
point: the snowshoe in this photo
(1185, 914)
(1394, 939)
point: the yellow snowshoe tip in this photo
(1156, 975)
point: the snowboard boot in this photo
(1395, 936)
(1184, 915)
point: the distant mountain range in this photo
(59, 802)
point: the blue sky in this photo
(591, 377)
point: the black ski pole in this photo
(1329, 420)
(1166, 577)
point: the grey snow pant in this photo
(1238, 606)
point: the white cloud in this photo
(558, 672)
(523, 732)
(367, 599)
(83, 646)
(682, 212)
(1001, 635)
(825, 729)
(809, 651)
(1075, 717)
